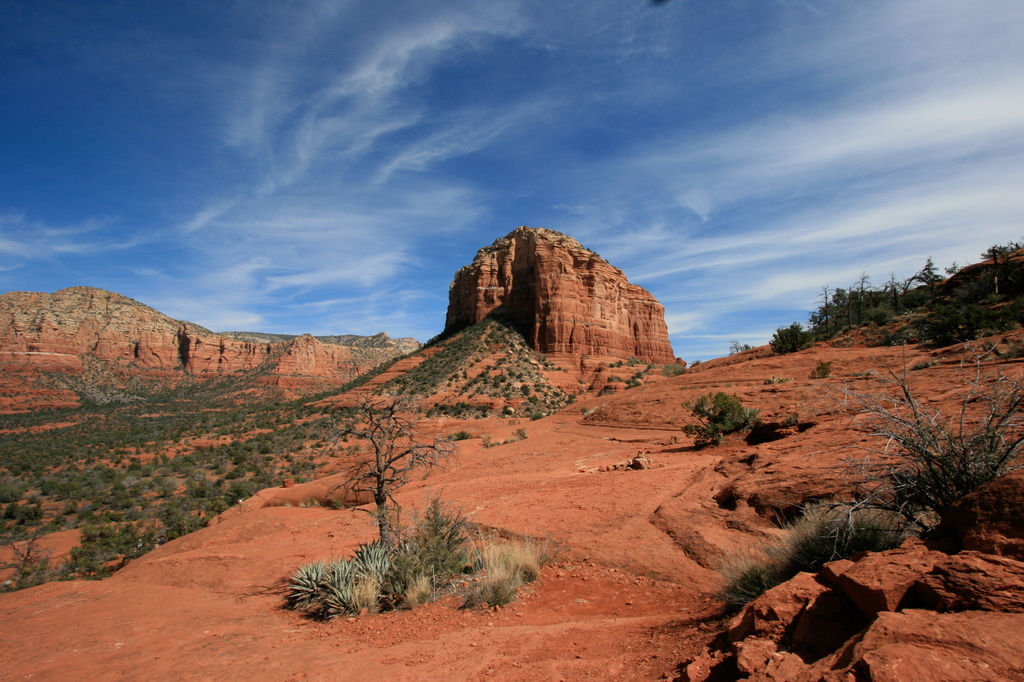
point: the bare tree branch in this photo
(396, 452)
(920, 461)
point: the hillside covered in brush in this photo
(971, 301)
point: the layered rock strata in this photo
(564, 298)
(103, 345)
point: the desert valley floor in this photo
(630, 594)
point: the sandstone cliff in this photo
(564, 298)
(81, 341)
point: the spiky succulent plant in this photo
(304, 588)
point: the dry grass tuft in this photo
(366, 594)
(509, 565)
(418, 591)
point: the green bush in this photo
(436, 547)
(11, 491)
(960, 323)
(822, 371)
(791, 339)
(673, 370)
(718, 415)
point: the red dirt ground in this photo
(629, 596)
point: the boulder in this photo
(991, 519)
(974, 581)
(826, 623)
(771, 616)
(885, 581)
(924, 646)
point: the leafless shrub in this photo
(395, 455)
(31, 563)
(917, 460)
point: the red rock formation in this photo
(989, 519)
(88, 337)
(563, 297)
(930, 615)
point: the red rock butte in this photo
(563, 297)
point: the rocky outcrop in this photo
(564, 298)
(106, 346)
(990, 519)
(917, 613)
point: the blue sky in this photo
(325, 167)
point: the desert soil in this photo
(629, 595)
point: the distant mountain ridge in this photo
(84, 343)
(380, 340)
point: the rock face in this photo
(919, 613)
(564, 298)
(989, 519)
(57, 347)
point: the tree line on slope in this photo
(987, 299)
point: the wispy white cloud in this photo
(25, 238)
(733, 160)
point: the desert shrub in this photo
(461, 435)
(737, 347)
(366, 594)
(11, 491)
(924, 364)
(509, 565)
(777, 380)
(106, 543)
(436, 547)
(918, 462)
(821, 533)
(425, 557)
(878, 316)
(673, 370)
(29, 563)
(960, 323)
(747, 577)
(717, 415)
(418, 591)
(791, 339)
(826, 533)
(823, 370)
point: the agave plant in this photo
(373, 560)
(336, 589)
(304, 590)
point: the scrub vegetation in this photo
(982, 300)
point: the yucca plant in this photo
(382, 576)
